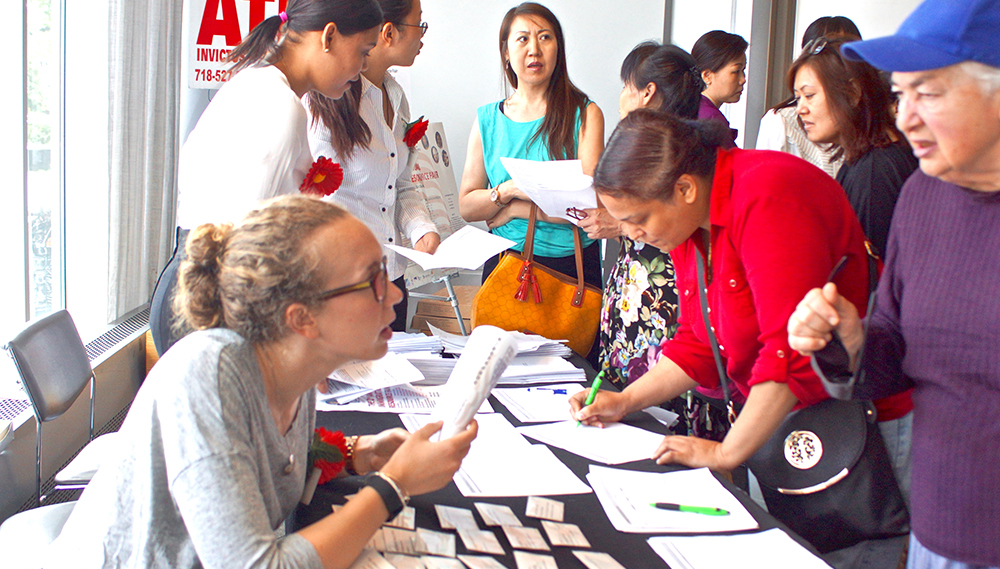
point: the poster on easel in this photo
(214, 29)
(434, 176)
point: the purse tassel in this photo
(527, 279)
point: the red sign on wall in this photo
(217, 26)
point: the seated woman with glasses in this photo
(214, 448)
(365, 131)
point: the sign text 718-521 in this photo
(217, 26)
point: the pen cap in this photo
(477, 371)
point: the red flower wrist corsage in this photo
(327, 453)
(415, 131)
(323, 178)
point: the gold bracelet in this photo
(349, 456)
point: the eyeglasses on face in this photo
(422, 25)
(379, 283)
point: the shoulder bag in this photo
(522, 295)
(825, 472)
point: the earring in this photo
(327, 50)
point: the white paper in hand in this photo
(483, 361)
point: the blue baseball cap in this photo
(937, 34)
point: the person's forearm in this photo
(476, 205)
(339, 538)
(767, 406)
(661, 383)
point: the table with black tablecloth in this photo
(584, 510)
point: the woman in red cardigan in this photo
(769, 227)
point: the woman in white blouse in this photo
(364, 130)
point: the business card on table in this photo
(484, 541)
(527, 560)
(404, 561)
(568, 535)
(521, 537)
(432, 562)
(432, 542)
(407, 519)
(597, 560)
(396, 540)
(454, 518)
(497, 514)
(481, 562)
(544, 508)
(370, 559)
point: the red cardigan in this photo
(779, 225)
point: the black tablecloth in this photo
(631, 550)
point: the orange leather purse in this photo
(525, 296)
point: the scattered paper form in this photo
(453, 518)
(370, 559)
(667, 418)
(567, 535)
(771, 549)
(523, 537)
(432, 562)
(467, 248)
(404, 561)
(432, 542)
(488, 471)
(387, 371)
(392, 540)
(407, 519)
(398, 399)
(597, 560)
(626, 496)
(616, 443)
(539, 404)
(480, 562)
(556, 186)
(527, 560)
(544, 508)
(483, 541)
(497, 514)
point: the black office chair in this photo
(55, 369)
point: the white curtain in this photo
(145, 52)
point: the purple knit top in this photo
(937, 325)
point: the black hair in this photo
(672, 70)
(650, 150)
(717, 49)
(263, 43)
(831, 27)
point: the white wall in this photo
(459, 67)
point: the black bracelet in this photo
(392, 498)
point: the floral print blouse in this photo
(639, 312)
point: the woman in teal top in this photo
(546, 118)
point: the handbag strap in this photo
(527, 278)
(713, 342)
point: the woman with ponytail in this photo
(364, 132)
(251, 142)
(546, 118)
(214, 447)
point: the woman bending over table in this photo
(546, 118)
(214, 448)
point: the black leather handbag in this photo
(825, 472)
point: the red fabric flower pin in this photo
(323, 178)
(327, 453)
(415, 131)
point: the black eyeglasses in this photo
(816, 46)
(379, 284)
(422, 25)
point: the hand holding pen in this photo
(596, 408)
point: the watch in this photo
(495, 197)
(393, 498)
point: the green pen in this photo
(593, 391)
(693, 509)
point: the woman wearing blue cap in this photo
(936, 322)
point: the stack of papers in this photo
(399, 399)
(538, 404)
(614, 444)
(527, 344)
(495, 465)
(403, 342)
(627, 495)
(360, 378)
(522, 370)
(771, 549)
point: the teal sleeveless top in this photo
(505, 138)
